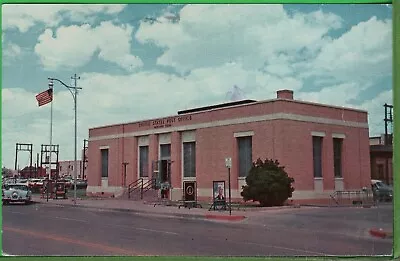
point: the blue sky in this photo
(192, 55)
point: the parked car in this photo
(35, 184)
(21, 181)
(67, 183)
(381, 191)
(18, 192)
(81, 184)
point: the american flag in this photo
(45, 97)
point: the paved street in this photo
(41, 229)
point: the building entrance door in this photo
(162, 172)
(165, 171)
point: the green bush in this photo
(267, 183)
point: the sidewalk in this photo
(139, 207)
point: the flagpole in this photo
(51, 137)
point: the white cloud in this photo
(330, 94)
(23, 16)
(344, 94)
(376, 111)
(11, 52)
(364, 53)
(211, 35)
(74, 46)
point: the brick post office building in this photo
(324, 148)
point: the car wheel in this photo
(5, 202)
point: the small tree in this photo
(268, 183)
(5, 172)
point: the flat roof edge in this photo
(233, 106)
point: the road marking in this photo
(72, 219)
(270, 246)
(156, 231)
(102, 247)
(16, 212)
(142, 229)
(124, 226)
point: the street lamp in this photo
(74, 96)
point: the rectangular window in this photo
(337, 157)
(245, 148)
(317, 156)
(104, 163)
(165, 151)
(189, 159)
(143, 161)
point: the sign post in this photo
(228, 164)
(124, 179)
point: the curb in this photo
(149, 213)
(380, 233)
(226, 218)
(337, 206)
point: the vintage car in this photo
(16, 193)
(381, 191)
(35, 184)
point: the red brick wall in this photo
(288, 141)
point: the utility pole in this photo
(37, 165)
(75, 78)
(74, 94)
(388, 142)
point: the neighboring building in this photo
(66, 168)
(381, 153)
(32, 172)
(8, 173)
(324, 148)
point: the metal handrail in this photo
(133, 186)
(147, 186)
(360, 195)
(142, 185)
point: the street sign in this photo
(228, 162)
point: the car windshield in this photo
(382, 185)
(20, 187)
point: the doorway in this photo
(165, 171)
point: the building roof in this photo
(29, 168)
(216, 106)
(233, 104)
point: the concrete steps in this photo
(150, 195)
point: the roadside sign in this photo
(228, 162)
(189, 190)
